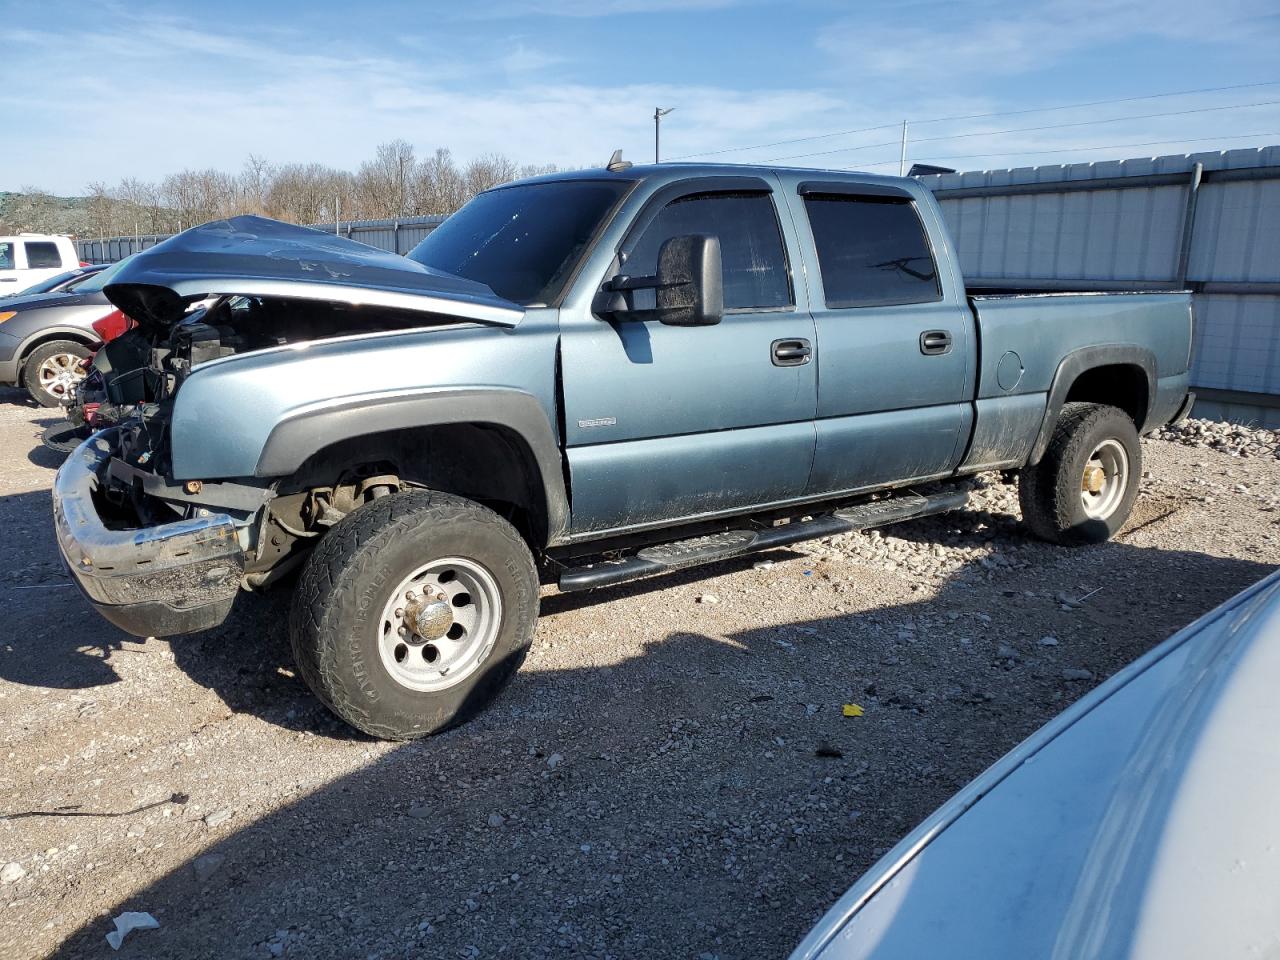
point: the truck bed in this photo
(1024, 336)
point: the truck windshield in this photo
(522, 242)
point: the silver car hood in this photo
(254, 256)
(1140, 823)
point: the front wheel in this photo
(53, 370)
(1084, 486)
(413, 613)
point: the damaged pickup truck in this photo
(581, 379)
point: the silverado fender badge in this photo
(598, 422)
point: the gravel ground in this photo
(669, 776)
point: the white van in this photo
(30, 258)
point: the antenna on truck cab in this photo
(616, 162)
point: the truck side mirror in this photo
(688, 287)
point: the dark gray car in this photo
(65, 281)
(45, 336)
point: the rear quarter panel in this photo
(1041, 329)
(1024, 339)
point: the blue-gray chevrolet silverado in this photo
(583, 379)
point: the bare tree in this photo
(488, 171)
(395, 183)
(101, 211)
(306, 193)
(382, 184)
(255, 179)
(141, 204)
(437, 185)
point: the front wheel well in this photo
(487, 463)
(52, 337)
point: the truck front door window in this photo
(755, 264)
(872, 252)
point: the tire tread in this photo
(325, 596)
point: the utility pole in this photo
(337, 212)
(902, 157)
(400, 198)
(658, 114)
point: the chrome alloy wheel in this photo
(59, 374)
(1104, 480)
(439, 624)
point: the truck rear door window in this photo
(872, 251)
(43, 256)
(755, 264)
(6, 257)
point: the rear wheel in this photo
(413, 613)
(52, 371)
(1084, 486)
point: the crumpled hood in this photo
(255, 256)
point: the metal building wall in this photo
(1207, 222)
(399, 236)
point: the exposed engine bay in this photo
(137, 377)
(143, 370)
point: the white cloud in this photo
(525, 59)
(180, 96)
(952, 43)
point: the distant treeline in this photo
(396, 183)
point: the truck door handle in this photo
(934, 343)
(790, 353)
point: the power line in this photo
(823, 153)
(981, 116)
(1100, 103)
(1089, 123)
(1077, 149)
(780, 143)
(1049, 126)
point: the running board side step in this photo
(666, 557)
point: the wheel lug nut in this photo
(403, 631)
(399, 611)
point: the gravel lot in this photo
(669, 776)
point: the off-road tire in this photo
(1050, 492)
(31, 368)
(348, 579)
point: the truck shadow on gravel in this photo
(51, 637)
(704, 796)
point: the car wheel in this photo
(413, 613)
(1084, 486)
(52, 371)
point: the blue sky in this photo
(104, 91)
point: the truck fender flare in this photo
(307, 431)
(1080, 361)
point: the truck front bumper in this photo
(158, 581)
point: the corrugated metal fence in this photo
(1207, 222)
(400, 236)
